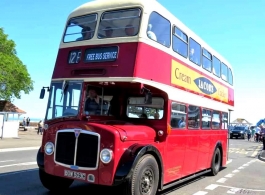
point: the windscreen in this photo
(64, 99)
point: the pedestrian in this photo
(257, 133)
(40, 125)
(249, 133)
(24, 121)
(253, 132)
(262, 134)
(28, 121)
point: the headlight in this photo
(106, 155)
(49, 148)
(241, 131)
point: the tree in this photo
(14, 76)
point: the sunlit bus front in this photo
(90, 124)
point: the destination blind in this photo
(102, 54)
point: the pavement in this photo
(26, 139)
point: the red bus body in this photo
(181, 153)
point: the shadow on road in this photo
(27, 183)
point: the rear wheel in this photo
(145, 177)
(216, 162)
(54, 183)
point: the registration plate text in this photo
(74, 174)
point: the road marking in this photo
(235, 171)
(229, 175)
(229, 161)
(19, 149)
(211, 187)
(233, 190)
(245, 165)
(19, 164)
(243, 189)
(222, 180)
(200, 193)
(241, 167)
(256, 151)
(6, 161)
(17, 172)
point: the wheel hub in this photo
(147, 181)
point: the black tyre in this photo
(216, 162)
(145, 177)
(54, 183)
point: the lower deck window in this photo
(136, 108)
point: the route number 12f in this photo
(74, 57)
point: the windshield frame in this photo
(51, 104)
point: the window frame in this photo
(210, 125)
(117, 10)
(220, 122)
(66, 26)
(232, 78)
(180, 38)
(219, 76)
(204, 56)
(222, 63)
(200, 60)
(185, 106)
(170, 38)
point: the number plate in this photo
(235, 134)
(74, 174)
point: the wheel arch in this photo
(220, 146)
(130, 159)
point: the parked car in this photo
(238, 132)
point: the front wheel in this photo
(216, 162)
(54, 183)
(145, 177)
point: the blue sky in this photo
(233, 28)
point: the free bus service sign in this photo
(192, 80)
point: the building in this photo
(9, 119)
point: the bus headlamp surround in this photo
(106, 155)
(49, 148)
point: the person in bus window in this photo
(143, 116)
(92, 105)
(129, 30)
(181, 122)
(86, 34)
(156, 115)
(150, 33)
(108, 32)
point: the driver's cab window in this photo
(96, 102)
(137, 108)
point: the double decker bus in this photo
(136, 99)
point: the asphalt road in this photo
(243, 175)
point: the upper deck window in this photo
(180, 42)
(159, 29)
(119, 23)
(224, 72)
(80, 28)
(216, 66)
(207, 60)
(195, 52)
(230, 77)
